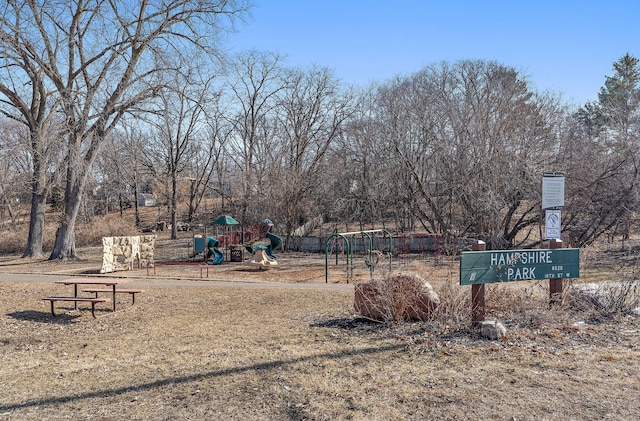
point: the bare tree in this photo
(207, 163)
(119, 167)
(103, 60)
(28, 97)
(404, 105)
(312, 114)
(15, 170)
(132, 141)
(256, 78)
(474, 141)
(601, 151)
(357, 167)
(179, 128)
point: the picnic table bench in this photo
(93, 302)
(132, 292)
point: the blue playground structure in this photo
(212, 246)
(209, 247)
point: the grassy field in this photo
(191, 350)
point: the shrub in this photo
(607, 299)
(395, 298)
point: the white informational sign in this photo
(553, 191)
(552, 224)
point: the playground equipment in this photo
(346, 243)
(208, 246)
(258, 240)
(229, 238)
(263, 254)
(212, 250)
(262, 247)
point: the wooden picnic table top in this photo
(92, 281)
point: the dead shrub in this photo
(513, 298)
(14, 241)
(90, 234)
(454, 310)
(422, 268)
(396, 298)
(453, 313)
(605, 299)
(606, 296)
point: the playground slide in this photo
(212, 244)
(261, 258)
(218, 257)
(275, 242)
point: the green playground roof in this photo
(225, 220)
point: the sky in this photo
(563, 46)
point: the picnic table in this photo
(106, 282)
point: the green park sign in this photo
(485, 267)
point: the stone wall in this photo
(119, 253)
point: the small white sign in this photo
(552, 191)
(552, 224)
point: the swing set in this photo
(344, 243)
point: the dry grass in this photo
(264, 353)
(187, 350)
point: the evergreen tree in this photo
(620, 100)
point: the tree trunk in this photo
(174, 204)
(65, 245)
(121, 204)
(12, 215)
(135, 203)
(192, 199)
(36, 226)
(39, 190)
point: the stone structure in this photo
(119, 253)
(493, 330)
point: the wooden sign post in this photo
(555, 285)
(477, 291)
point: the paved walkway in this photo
(165, 281)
